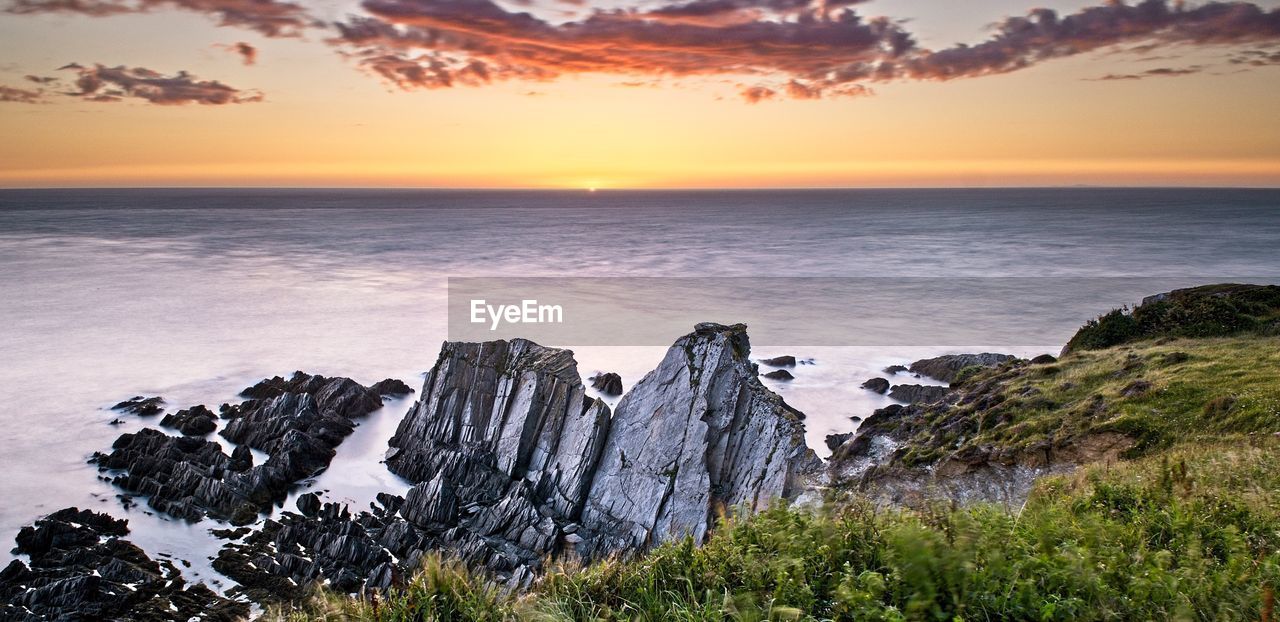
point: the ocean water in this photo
(195, 294)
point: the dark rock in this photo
(284, 559)
(299, 427)
(878, 385)
(116, 421)
(855, 418)
(917, 394)
(947, 368)
(309, 504)
(391, 387)
(1174, 358)
(81, 569)
(195, 421)
(1044, 359)
(780, 361)
(834, 441)
(607, 383)
(894, 369)
(779, 374)
(141, 406)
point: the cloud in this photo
(271, 18)
(9, 94)
(248, 54)
(1021, 42)
(1154, 73)
(442, 43)
(1256, 58)
(110, 84)
(800, 49)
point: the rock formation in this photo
(141, 406)
(917, 393)
(607, 383)
(81, 569)
(698, 435)
(194, 421)
(947, 367)
(878, 385)
(298, 422)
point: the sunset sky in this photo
(639, 93)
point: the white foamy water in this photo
(194, 295)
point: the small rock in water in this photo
(141, 406)
(607, 383)
(879, 385)
(834, 441)
(116, 421)
(194, 421)
(780, 374)
(893, 369)
(391, 387)
(780, 361)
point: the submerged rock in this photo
(81, 569)
(779, 374)
(947, 368)
(878, 385)
(895, 369)
(194, 421)
(607, 383)
(141, 406)
(697, 436)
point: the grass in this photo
(1190, 534)
(1186, 528)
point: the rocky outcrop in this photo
(780, 361)
(947, 368)
(607, 383)
(512, 464)
(391, 387)
(325, 544)
(917, 393)
(877, 385)
(81, 569)
(502, 445)
(194, 421)
(698, 435)
(141, 406)
(298, 422)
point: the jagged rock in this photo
(917, 393)
(194, 421)
(309, 504)
(946, 368)
(298, 423)
(287, 556)
(607, 383)
(391, 387)
(780, 361)
(779, 374)
(878, 385)
(116, 421)
(81, 569)
(141, 406)
(834, 441)
(502, 444)
(698, 435)
(895, 369)
(1044, 359)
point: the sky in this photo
(602, 94)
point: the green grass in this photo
(1191, 534)
(1186, 528)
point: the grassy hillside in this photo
(1188, 528)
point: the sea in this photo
(194, 294)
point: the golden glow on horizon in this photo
(326, 124)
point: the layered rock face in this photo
(502, 443)
(512, 463)
(698, 435)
